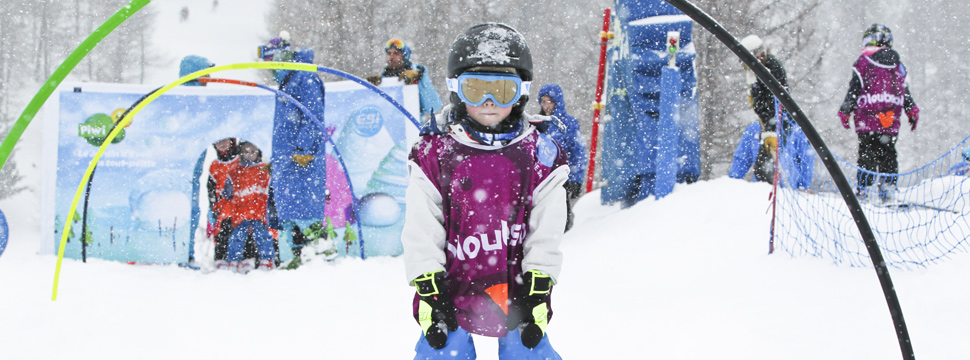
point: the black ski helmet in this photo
(491, 44)
(877, 35)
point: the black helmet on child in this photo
(877, 35)
(490, 44)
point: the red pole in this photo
(598, 102)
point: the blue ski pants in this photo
(461, 347)
(261, 235)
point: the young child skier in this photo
(486, 207)
(878, 95)
(220, 217)
(249, 197)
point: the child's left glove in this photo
(913, 115)
(533, 296)
(436, 312)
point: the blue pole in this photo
(668, 132)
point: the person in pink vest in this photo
(877, 97)
(486, 208)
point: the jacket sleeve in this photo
(310, 93)
(855, 88)
(578, 157)
(908, 102)
(427, 95)
(546, 225)
(424, 236)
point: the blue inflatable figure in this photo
(651, 139)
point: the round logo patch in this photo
(546, 150)
(368, 120)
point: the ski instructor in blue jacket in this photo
(568, 136)
(298, 162)
(399, 65)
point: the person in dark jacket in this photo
(569, 136)
(763, 104)
(877, 96)
(298, 160)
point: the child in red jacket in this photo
(249, 199)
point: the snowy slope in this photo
(685, 277)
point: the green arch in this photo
(65, 68)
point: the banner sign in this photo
(148, 201)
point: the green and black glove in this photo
(533, 295)
(436, 312)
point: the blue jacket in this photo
(298, 191)
(569, 136)
(191, 64)
(427, 95)
(747, 152)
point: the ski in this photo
(909, 206)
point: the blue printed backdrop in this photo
(371, 135)
(141, 196)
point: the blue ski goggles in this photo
(475, 88)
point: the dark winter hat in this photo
(229, 153)
(400, 45)
(877, 35)
(490, 44)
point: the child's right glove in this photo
(533, 295)
(436, 312)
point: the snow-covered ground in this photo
(684, 277)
